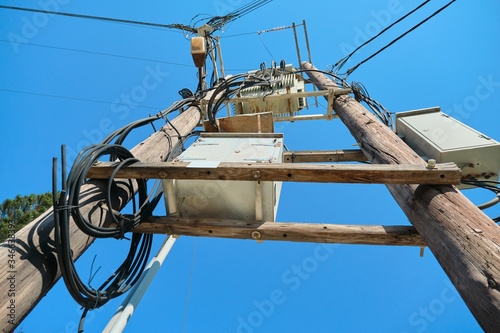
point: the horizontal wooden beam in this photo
(284, 231)
(305, 156)
(447, 173)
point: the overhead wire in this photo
(217, 22)
(339, 64)
(92, 17)
(265, 46)
(352, 69)
(75, 98)
(100, 53)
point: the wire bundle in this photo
(361, 95)
(487, 185)
(68, 203)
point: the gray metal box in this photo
(226, 199)
(433, 134)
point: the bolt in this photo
(163, 174)
(256, 174)
(431, 164)
(256, 234)
(491, 283)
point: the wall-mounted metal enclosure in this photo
(433, 134)
(225, 199)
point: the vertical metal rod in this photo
(296, 43)
(309, 56)
(221, 62)
(259, 209)
(214, 63)
(124, 312)
(222, 71)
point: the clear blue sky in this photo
(51, 96)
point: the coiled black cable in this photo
(68, 203)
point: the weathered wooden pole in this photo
(28, 260)
(464, 240)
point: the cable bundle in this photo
(68, 203)
(487, 185)
(361, 95)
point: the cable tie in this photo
(97, 299)
(64, 207)
(121, 229)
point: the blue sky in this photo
(51, 94)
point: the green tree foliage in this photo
(22, 210)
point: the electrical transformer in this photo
(434, 134)
(283, 81)
(227, 199)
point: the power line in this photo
(76, 98)
(342, 61)
(242, 34)
(352, 69)
(263, 31)
(101, 53)
(114, 55)
(108, 19)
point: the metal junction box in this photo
(433, 134)
(227, 199)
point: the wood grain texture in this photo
(284, 231)
(36, 268)
(314, 156)
(446, 173)
(464, 240)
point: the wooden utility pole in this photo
(465, 241)
(29, 260)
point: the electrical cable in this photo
(265, 46)
(490, 185)
(68, 203)
(218, 22)
(101, 18)
(361, 95)
(74, 98)
(339, 64)
(99, 53)
(352, 69)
